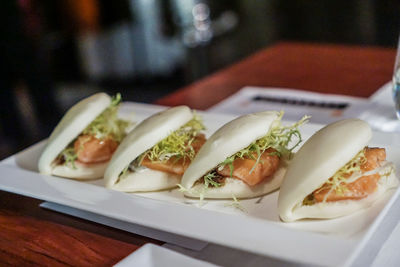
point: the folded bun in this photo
(327, 151)
(81, 171)
(147, 180)
(226, 141)
(334, 209)
(237, 188)
(71, 125)
(143, 137)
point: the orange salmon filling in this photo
(244, 169)
(360, 188)
(175, 165)
(90, 150)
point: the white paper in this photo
(378, 110)
(322, 108)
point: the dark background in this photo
(54, 53)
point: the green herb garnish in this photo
(178, 144)
(235, 204)
(182, 188)
(209, 179)
(278, 138)
(107, 123)
(69, 156)
(339, 180)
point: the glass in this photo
(396, 81)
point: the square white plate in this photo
(254, 227)
(151, 255)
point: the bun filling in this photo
(358, 179)
(173, 154)
(98, 141)
(258, 161)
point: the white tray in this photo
(257, 229)
(151, 255)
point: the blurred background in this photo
(54, 53)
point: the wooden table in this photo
(30, 235)
(347, 70)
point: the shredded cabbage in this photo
(209, 179)
(338, 182)
(69, 155)
(182, 188)
(178, 144)
(278, 138)
(106, 125)
(235, 204)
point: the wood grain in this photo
(348, 70)
(31, 236)
(28, 241)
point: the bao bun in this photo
(143, 137)
(71, 126)
(318, 159)
(225, 142)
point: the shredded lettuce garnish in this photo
(178, 144)
(338, 182)
(201, 194)
(278, 138)
(107, 124)
(69, 156)
(209, 179)
(235, 204)
(182, 188)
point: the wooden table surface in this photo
(32, 236)
(347, 70)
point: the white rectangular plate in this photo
(151, 255)
(254, 227)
